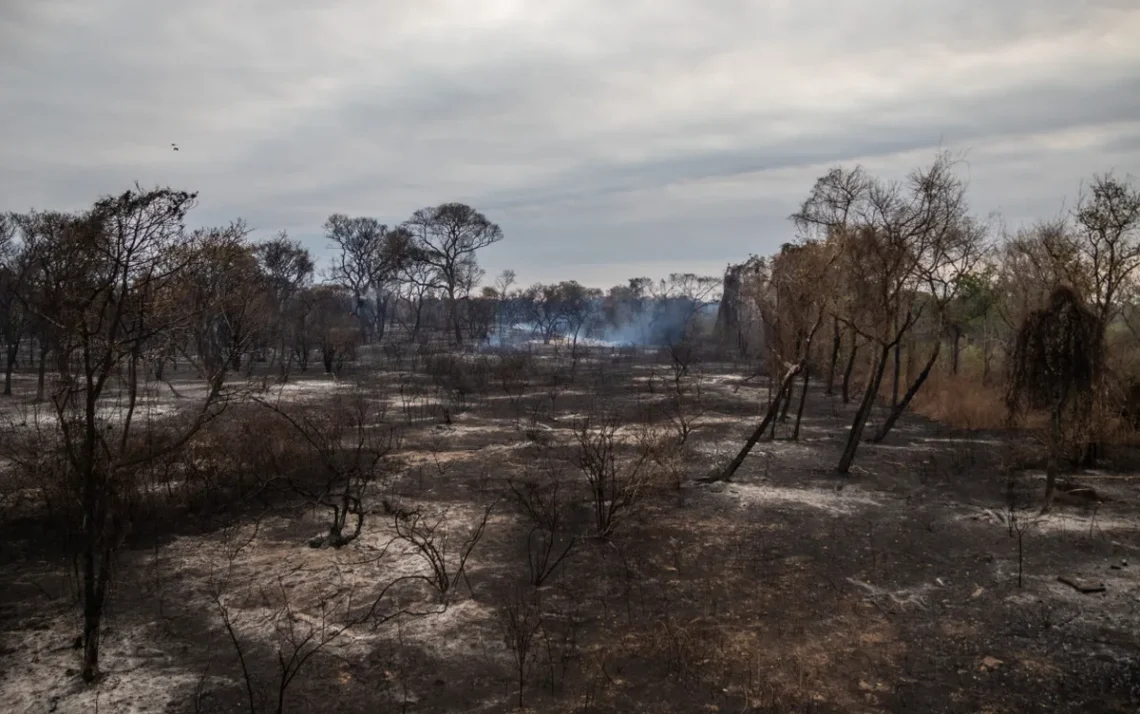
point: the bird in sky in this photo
(174, 146)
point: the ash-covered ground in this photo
(788, 589)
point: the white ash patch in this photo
(463, 630)
(1059, 520)
(138, 678)
(300, 390)
(845, 502)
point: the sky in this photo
(608, 138)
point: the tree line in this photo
(886, 277)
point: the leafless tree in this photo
(106, 268)
(229, 294)
(542, 497)
(616, 482)
(512, 370)
(39, 232)
(773, 409)
(889, 236)
(288, 268)
(579, 310)
(544, 309)
(503, 283)
(800, 303)
(296, 638)
(369, 255)
(431, 540)
(952, 260)
(520, 620)
(327, 324)
(17, 287)
(418, 285)
(1108, 226)
(351, 440)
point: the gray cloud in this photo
(608, 139)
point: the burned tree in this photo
(445, 238)
(615, 483)
(892, 239)
(1056, 362)
(350, 442)
(802, 267)
(17, 274)
(945, 273)
(369, 257)
(735, 318)
(109, 281)
(288, 268)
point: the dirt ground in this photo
(789, 589)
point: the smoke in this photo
(658, 322)
(647, 322)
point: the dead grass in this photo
(960, 401)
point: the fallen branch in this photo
(1081, 586)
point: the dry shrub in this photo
(615, 478)
(546, 499)
(1058, 357)
(457, 376)
(34, 475)
(240, 455)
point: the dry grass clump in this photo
(961, 401)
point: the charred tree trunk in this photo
(419, 313)
(1053, 465)
(381, 317)
(897, 376)
(836, 346)
(453, 306)
(956, 348)
(769, 417)
(864, 412)
(788, 394)
(850, 369)
(773, 407)
(899, 408)
(97, 546)
(132, 393)
(10, 366)
(803, 399)
(786, 402)
(41, 372)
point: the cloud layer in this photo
(608, 139)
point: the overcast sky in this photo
(608, 138)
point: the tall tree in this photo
(369, 254)
(1107, 220)
(16, 278)
(446, 238)
(1056, 362)
(233, 298)
(288, 268)
(108, 285)
(889, 237)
